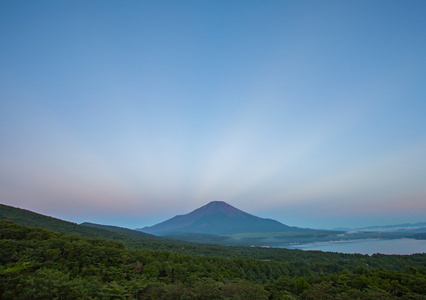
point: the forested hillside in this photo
(130, 238)
(41, 264)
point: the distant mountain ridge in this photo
(217, 218)
(406, 227)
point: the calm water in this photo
(396, 246)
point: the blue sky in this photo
(130, 112)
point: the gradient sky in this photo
(130, 112)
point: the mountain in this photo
(217, 218)
(131, 238)
(121, 230)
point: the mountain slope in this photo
(218, 218)
(121, 230)
(32, 219)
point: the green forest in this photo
(41, 264)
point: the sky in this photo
(131, 112)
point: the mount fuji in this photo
(217, 218)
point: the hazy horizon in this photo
(77, 219)
(311, 113)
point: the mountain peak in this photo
(216, 204)
(216, 217)
(219, 207)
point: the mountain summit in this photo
(218, 218)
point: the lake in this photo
(370, 246)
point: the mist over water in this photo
(370, 246)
